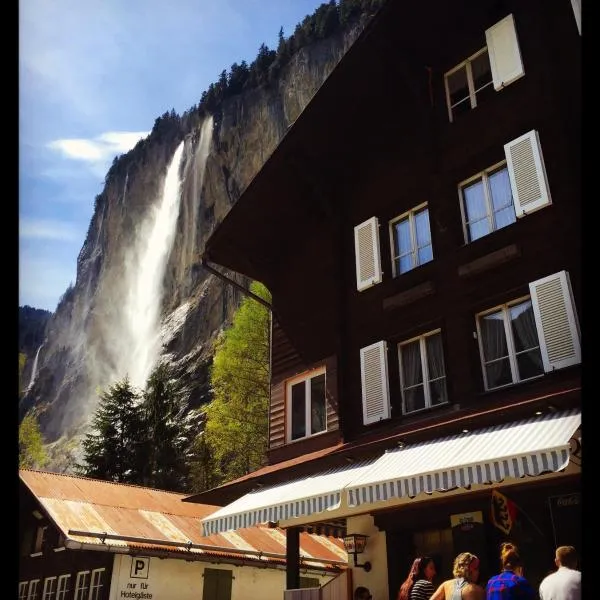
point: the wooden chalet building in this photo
(419, 228)
(87, 539)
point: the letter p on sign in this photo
(139, 567)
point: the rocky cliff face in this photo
(80, 355)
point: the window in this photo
(487, 202)
(23, 590)
(82, 584)
(410, 240)
(217, 584)
(307, 407)
(422, 372)
(468, 83)
(491, 68)
(96, 585)
(33, 593)
(49, 588)
(41, 539)
(507, 191)
(510, 348)
(530, 336)
(63, 587)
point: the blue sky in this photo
(93, 77)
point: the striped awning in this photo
(529, 447)
(301, 497)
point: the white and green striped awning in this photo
(529, 447)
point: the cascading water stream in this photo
(34, 368)
(141, 309)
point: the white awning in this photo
(529, 447)
(301, 497)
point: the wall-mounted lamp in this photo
(355, 544)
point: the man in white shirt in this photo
(565, 582)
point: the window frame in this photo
(96, 583)
(304, 377)
(510, 343)
(426, 383)
(466, 64)
(81, 592)
(23, 589)
(32, 592)
(484, 176)
(62, 589)
(409, 215)
(49, 590)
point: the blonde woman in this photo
(464, 585)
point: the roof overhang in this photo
(534, 447)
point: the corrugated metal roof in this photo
(154, 516)
(527, 447)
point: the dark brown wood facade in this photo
(43, 557)
(377, 141)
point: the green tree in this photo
(170, 431)
(31, 444)
(112, 449)
(236, 426)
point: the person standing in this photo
(418, 584)
(464, 585)
(565, 582)
(509, 584)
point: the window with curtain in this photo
(487, 202)
(422, 372)
(509, 344)
(306, 405)
(411, 240)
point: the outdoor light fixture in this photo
(355, 544)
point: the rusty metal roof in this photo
(122, 518)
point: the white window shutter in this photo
(556, 321)
(375, 387)
(576, 4)
(367, 254)
(527, 173)
(504, 52)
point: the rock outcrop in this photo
(79, 355)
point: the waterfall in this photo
(34, 368)
(139, 335)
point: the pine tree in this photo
(112, 450)
(170, 431)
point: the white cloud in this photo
(97, 153)
(48, 229)
(98, 149)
